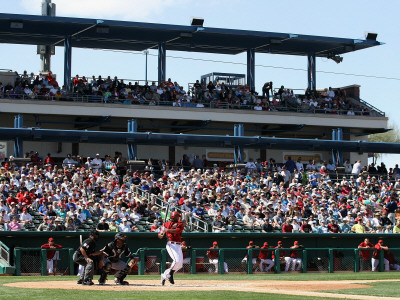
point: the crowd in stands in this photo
(219, 95)
(103, 193)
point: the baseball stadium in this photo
(117, 188)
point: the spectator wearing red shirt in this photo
(333, 227)
(380, 246)
(287, 227)
(305, 227)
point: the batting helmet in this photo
(175, 215)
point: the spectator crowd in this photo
(201, 94)
(103, 193)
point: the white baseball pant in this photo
(215, 263)
(296, 264)
(375, 263)
(175, 252)
(269, 262)
(288, 261)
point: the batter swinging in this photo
(173, 229)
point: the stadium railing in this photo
(198, 225)
(213, 104)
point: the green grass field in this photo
(378, 289)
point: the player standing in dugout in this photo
(173, 229)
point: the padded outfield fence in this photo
(33, 261)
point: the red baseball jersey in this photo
(174, 237)
(212, 254)
(366, 253)
(294, 254)
(50, 254)
(264, 254)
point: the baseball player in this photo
(173, 229)
(213, 257)
(255, 256)
(365, 254)
(52, 256)
(380, 246)
(82, 257)
(112, 253)
(295, 260)
(282, 256)
(266, 258)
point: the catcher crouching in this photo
(112, 260)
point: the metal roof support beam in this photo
(18, 142)
(161, 61)
(132, 148)
(334, 138)
(251, 69)
(339, 153)
(67, 62)
(311, 71)
(238, 150)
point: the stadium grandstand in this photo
(109, 153)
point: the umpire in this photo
(82, 257)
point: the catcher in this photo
(112, 260)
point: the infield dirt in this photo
(299, 288)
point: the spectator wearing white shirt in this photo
(124, 227)
(68, 161)
(356, 168)
(299, 164)
(25, 217)
(97, 163)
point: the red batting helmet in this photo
(175, 215)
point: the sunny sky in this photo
(340, 18)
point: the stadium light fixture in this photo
(196, 21)
(371, 36)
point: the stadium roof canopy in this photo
(137, 36)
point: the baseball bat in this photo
(166, 214)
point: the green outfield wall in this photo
(200, 240)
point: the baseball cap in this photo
(215, 243)
(280, 242)
(251, 243)
(380, 241)
(296, 242)
(51, 239)
(183, 243)
(265, 244)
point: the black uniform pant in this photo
(88, 271)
